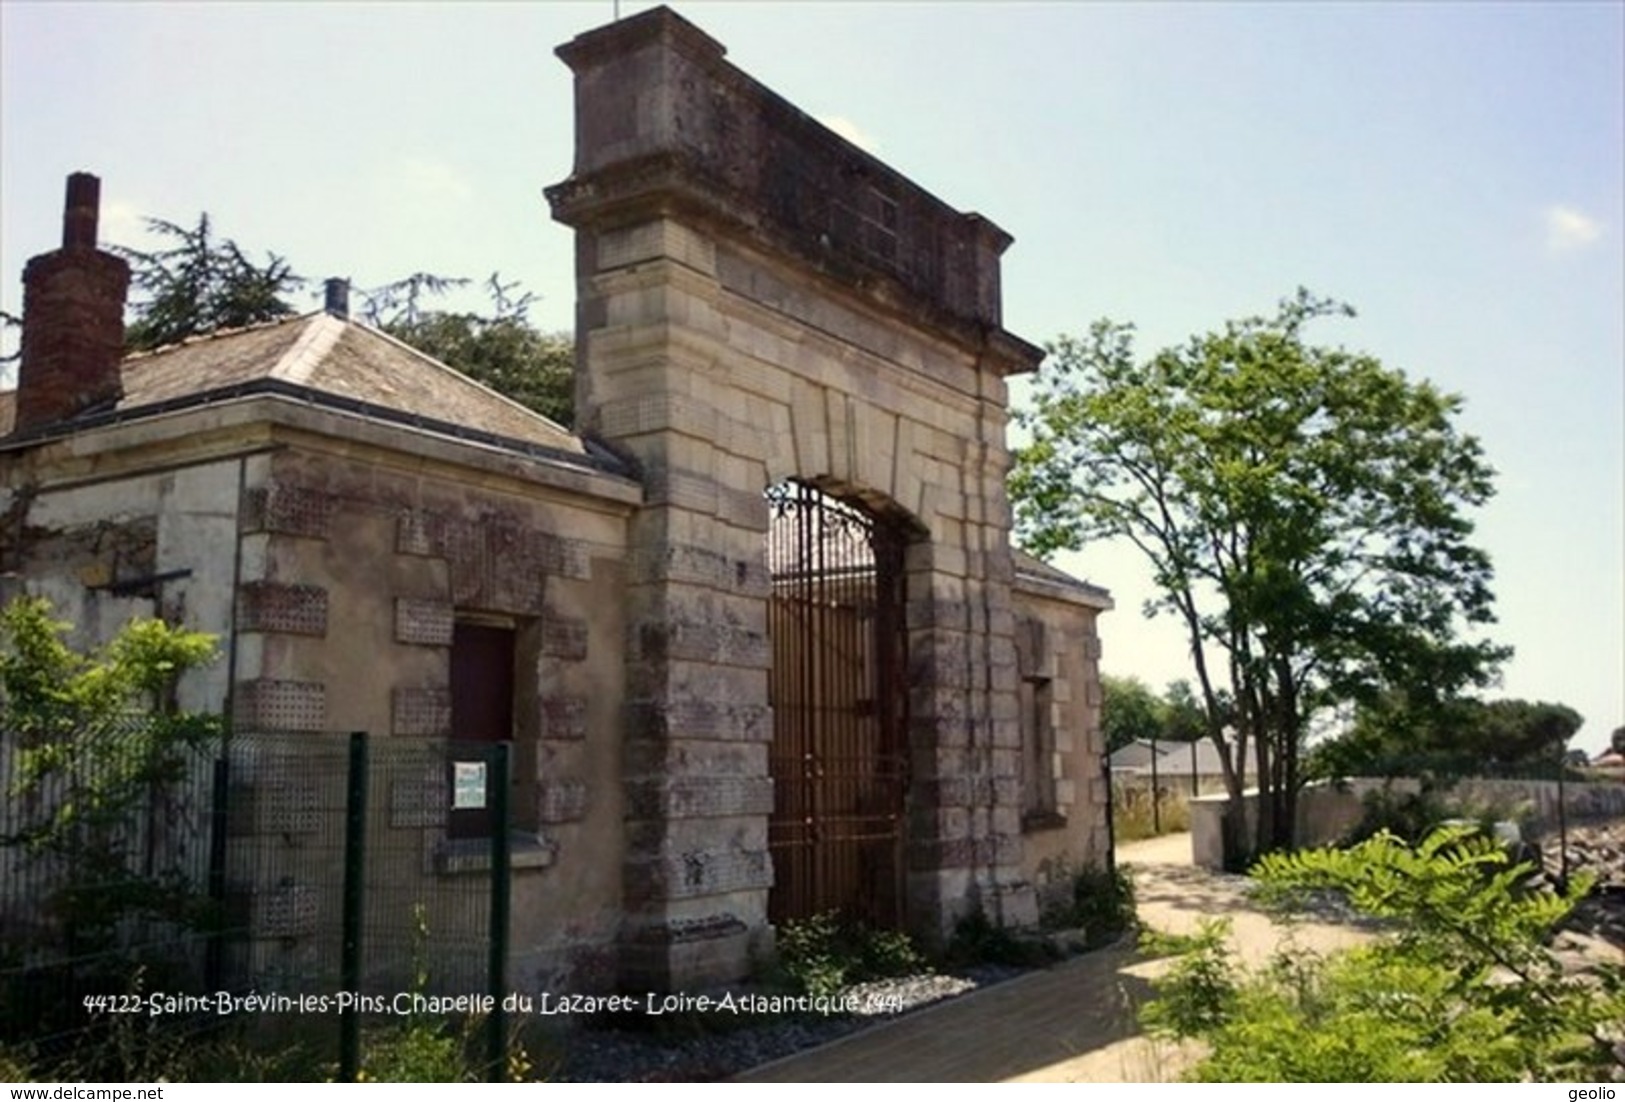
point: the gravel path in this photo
(717, 1051)
(1083, 1030)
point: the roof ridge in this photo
(300, 361)
(132, 359)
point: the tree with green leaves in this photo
(1305, 512)
(1130, 712)
(1456, 737)
(500, 349)
(1461, 984)
(200, 283)
(96, 740)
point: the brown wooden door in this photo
(482, 683)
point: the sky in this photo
(1455, 171)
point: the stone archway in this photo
(838, 691)
(762, 301)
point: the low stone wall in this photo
(1327, 812)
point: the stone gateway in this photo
(755, 628)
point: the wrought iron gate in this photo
(838, 688)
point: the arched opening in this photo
(838, 689)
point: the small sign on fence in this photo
(468, 786)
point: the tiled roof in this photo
(327, 356)
(1173, 758)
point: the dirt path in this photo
(1074, 1023)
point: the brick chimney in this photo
(73, 319)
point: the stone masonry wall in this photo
(721, 358)
(1058, 646)
(355, 570)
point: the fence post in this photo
(501, 876)
(1156, 792)
(355, 886)
(219, 822)
(1562, 832)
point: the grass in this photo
(1133, 818)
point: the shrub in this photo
(822, 955)
(1412, 816)
(1408, 816)
(421, 1051)
(1464, 989)
(979, 940)
(1101, 904)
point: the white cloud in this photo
(1568, 229)
(851, 131)
(433, 179)
(122, 223)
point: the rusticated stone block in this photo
(700, 719)
(711, 642)
(678, 954)
(279, 807)
(701, 566)
(423, 623)
(496, 562)
(656, 412)
(267, 705)
(280, 607)
(566, 558)
(663, 485)
(412, 534)
(289, 511)
(926, 855)
(698, 797)
(564, 717)
(419, 801)
(287, 910)
(743, 509)
(421, 711)
(561, 801)
(695, 873)
(944, 792)
(564, 637)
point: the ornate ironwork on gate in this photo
(838, 688)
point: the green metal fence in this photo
(332, 877)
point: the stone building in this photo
(755, 628)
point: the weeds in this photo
(1429, 1002)
(978, 940)
(822, 955)
(1101, 904)
(1134, 819)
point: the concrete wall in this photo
(1327, 813)
(127, 543)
